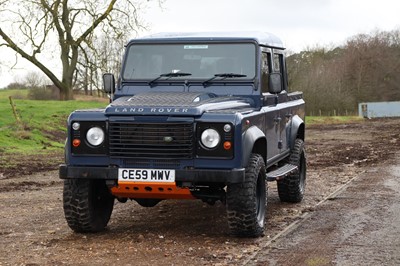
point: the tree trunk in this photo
(91, 82)
(66, 94)
(65, 86)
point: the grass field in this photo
(43, 123)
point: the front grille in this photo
(163, 164)
(151, 140)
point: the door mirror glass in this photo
(275, 82)
(108, 83)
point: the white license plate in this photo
(145, 175)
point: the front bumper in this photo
(192, 175)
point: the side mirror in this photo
(108, 83)
(275, 83)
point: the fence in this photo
(335, 112)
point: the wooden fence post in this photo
(14, 110)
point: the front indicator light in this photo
(227, 145)
(76, 143)
(210, 138)
(95, 136)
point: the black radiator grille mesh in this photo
(151, 140)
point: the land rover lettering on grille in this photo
(150, 110)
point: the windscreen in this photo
(201, 61)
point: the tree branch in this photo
(15, 47)
(97, 22)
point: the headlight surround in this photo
(95, 136)
(210, 138)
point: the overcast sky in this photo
(301, 24)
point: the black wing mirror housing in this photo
(108, 83)
(275, 83)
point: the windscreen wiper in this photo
(224, 76)
(169, 75)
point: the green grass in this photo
(43, 125)
(16, 94)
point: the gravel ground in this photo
(33, 230)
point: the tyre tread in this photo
(78, 208)
(289, 189)
(241, 207)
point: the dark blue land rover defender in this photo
(193, 116)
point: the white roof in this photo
(262, 38)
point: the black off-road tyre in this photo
(292, 187)
(246, 202)
(88, 205)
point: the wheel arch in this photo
(297, 130)
(254, 141)
(66, 152)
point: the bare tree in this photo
(43, 30)
(34, 79)
(373, 65)
(103, 56)
(335, 80)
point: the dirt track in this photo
(357, 226)
(33, 230)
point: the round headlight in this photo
(95, 136)
(210, 138)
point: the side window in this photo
(277, 63)
(265, 70)
(280, 67)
